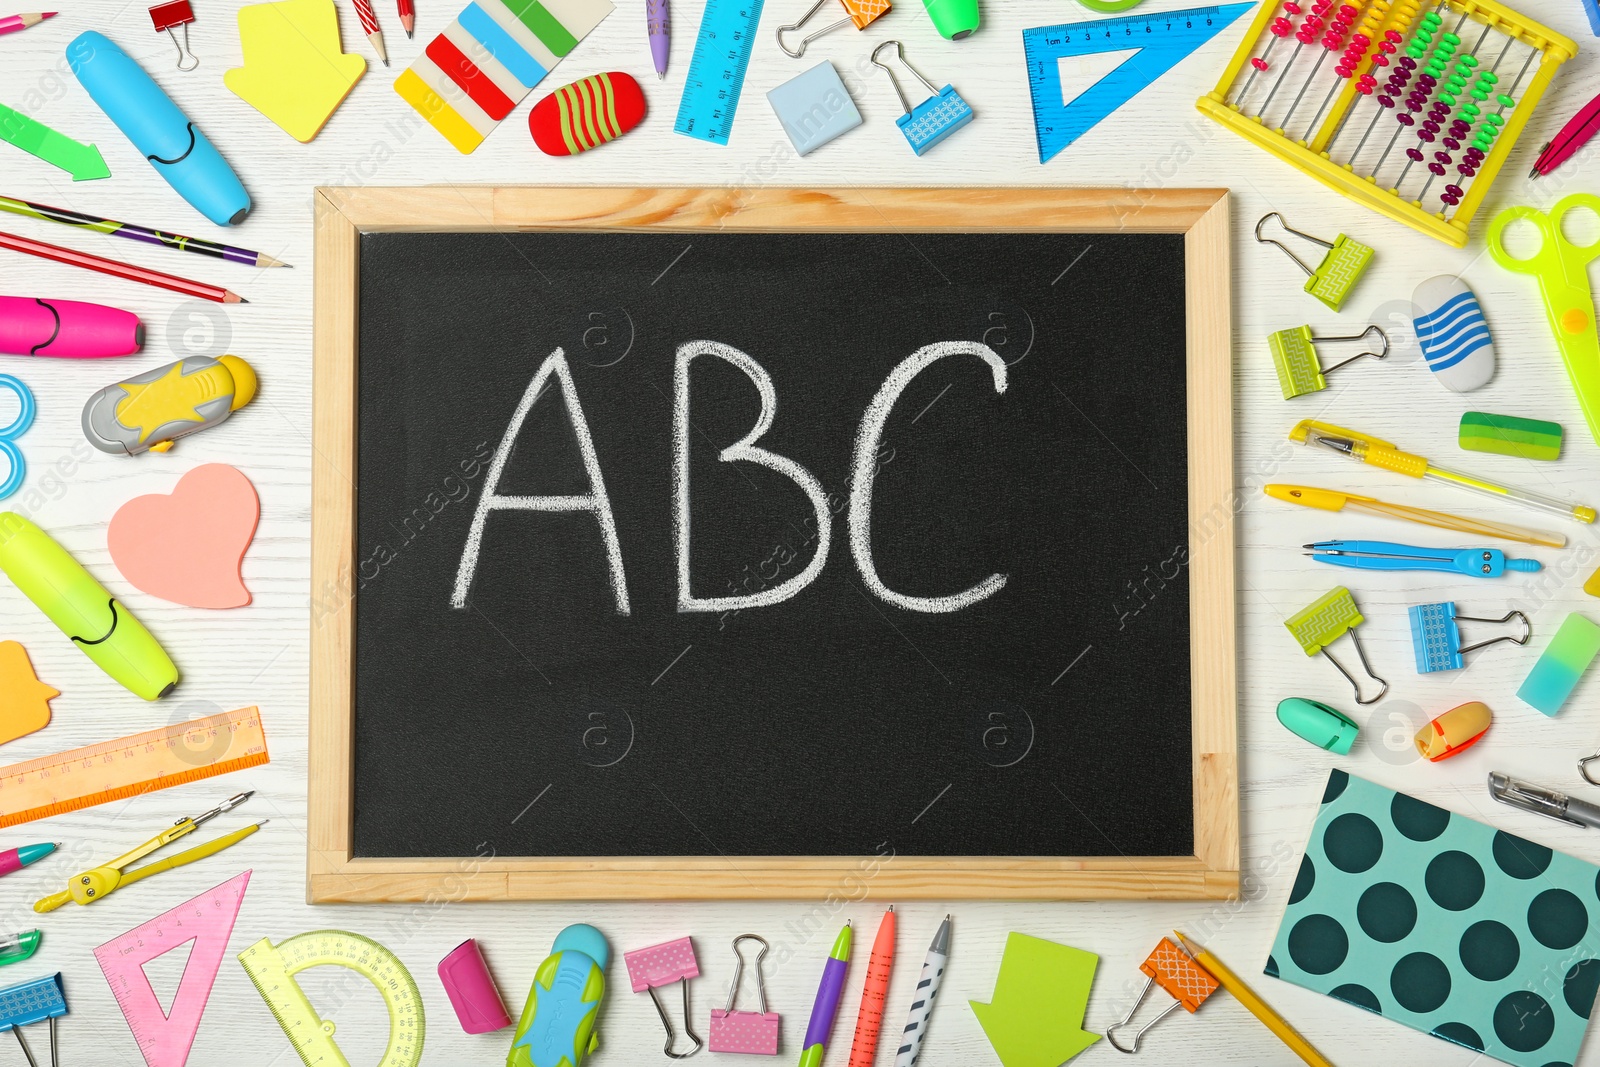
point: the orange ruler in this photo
(130, 766)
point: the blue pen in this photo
(161, 132)
(1388, 556)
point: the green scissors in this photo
(1563, 272)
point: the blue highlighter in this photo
(158, 129)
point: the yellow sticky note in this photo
(24, 700)
(294, 72)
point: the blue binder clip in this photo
(931, 121)
(1436, 639)
(32, 1002)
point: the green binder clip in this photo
(1342, 266)
(1323, 622)
(1300, 371)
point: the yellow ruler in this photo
(130, 766)
(272, 968)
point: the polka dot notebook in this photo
(1444, 924)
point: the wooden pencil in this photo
(73, 258)
(1254, 1004)
(18, 23)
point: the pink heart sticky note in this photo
(187, 546)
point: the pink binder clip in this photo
(663, 964)
(472, 991)
(753, 1032)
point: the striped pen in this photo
(369, 26)
(128, 230)
(922, 1003)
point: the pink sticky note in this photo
(187, 546)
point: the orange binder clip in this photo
(1175, 971)
(861, 14)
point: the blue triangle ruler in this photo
(1163, 39)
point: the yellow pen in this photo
(1380, 453)
(1332, 500)
(90, 886)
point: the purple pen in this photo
(827, 1005)
(655, 13)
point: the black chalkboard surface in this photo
(1050, 718)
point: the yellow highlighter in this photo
(90, 886)
(1379, 453)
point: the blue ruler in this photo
(716, 73)
(1162, 40)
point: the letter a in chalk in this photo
(595, 500)
(746, 450)
(866, 468)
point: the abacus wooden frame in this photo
(334, 874)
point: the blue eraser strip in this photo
(157, 127)
(1554, 677)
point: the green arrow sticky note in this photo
(82, 161)
(1035, 1017)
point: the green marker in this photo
(84, 609)
(826, 1007)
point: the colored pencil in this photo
(864, 1047)
(73, 258)
(18, 23)
(408, 17)
(138, 233)
(1254, 1004)
(369, 26)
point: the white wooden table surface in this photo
(258, 655)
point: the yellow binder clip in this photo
(1300, 370)
(1346, 260)
(1324, 621)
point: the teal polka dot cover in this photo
(1444, 924)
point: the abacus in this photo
(1417, 114)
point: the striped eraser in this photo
(1508, 435)
(1452, 333)
(485, 62)
(586, 114)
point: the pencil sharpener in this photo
(150, 411)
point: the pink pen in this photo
(14, 859)
(68, 328)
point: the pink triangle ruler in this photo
(166, 1037)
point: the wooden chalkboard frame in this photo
(334, 874)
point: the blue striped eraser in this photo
(1452, 333)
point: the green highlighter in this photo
(954, 19)
(84, 609)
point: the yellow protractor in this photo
(272, 968)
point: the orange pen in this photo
(874, 993)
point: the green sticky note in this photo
(1508, 435)
(1035, 1018)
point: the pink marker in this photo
(68, 328)
(14, 859)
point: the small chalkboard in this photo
(669, 544)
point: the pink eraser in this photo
(472, 990)
(71, 328)
(662, 964)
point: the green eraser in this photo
(1508, 435)
(1560, 666)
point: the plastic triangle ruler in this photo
(165, 1037)
(131, 766)
(272, 969)
(716, 72)
(1163, 40)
